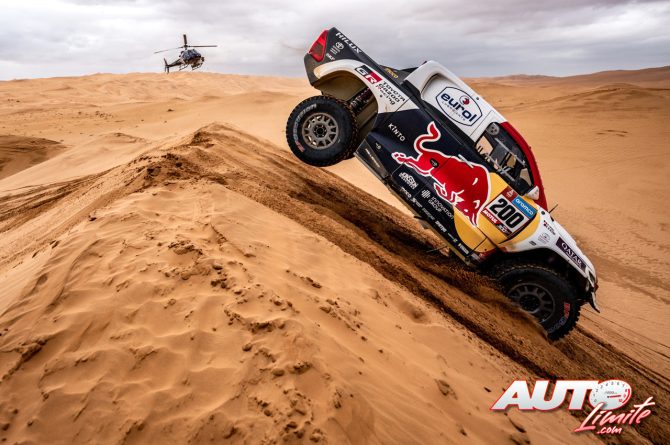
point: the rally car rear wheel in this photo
(321, 131)
(543, 293)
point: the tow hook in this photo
(592, 301)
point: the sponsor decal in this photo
(605, 398)
(522, 205)
(452, 239)
(570, 253)
(496, 222)
(409, 180)
(562, 320)
(463, 184)
(406, 192)
(391, 72)
(548, 227)
(441, 227)
(427, 213)
(459, 106)
(368, 74)
(335, 50)
(491, 217)
(437, 205)
(544, 238)
(463, 248)
(505, 214)
(394, 129)
(388, 92)
(295, 127)
(348, 42)
(384, 87)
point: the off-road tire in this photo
(301, 137)
(513, 275)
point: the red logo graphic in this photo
(369, 75)
(373, 77)
(463, 184)
(465, 100)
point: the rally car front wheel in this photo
(543, 293)
(322, 131)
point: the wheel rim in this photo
(534, 299)
(320, 131)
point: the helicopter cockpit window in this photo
(501, 151)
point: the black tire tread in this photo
(346, 154)
(503, 268)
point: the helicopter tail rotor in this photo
(167, 67)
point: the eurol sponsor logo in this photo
(607, 400)
(459, 106)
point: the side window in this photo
(498, 148)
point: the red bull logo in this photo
(461, 183)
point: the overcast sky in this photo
(41, 38)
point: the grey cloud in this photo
(59, 37)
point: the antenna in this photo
(437, 249)
(553, 208)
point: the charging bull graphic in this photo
(463, 184)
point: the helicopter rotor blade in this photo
(169, 49)
(203, 46)
(185, 42)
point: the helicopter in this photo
(187, 56)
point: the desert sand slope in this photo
(18, 153)
(165, 280)
(202, 300)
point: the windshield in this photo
(504, 155)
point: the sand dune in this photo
(649, 77)
(19, 153)
(175, 275)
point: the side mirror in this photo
(533, 193)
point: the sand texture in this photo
(171, 273)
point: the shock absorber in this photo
(360, 100)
